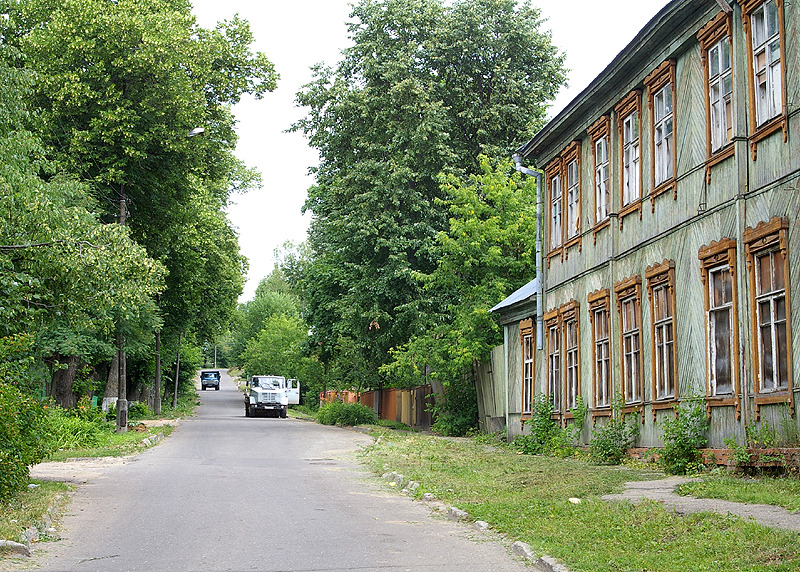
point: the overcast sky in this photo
(296, 35)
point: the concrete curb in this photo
(542, 563)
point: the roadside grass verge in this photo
(778, 491)
(28, 507)
(111, 444)
(527, 498)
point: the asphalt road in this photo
(225, 492)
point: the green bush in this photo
(22, 438)
(66, 431)
(683, 436)
(139, 410)
(346, 414)
(610, 442)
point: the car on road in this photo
(209, 379)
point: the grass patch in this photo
(26, 509)
(778, 491)
(111, 444)
(527, 498)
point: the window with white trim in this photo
(602, 200)
(720, 93)
(573, 200)
(554, 365)
(720, 330)
(630, 159)
(601, 340)
(766, 58)
(663, 342)
(629, 298)
(771, 316)
(527, 373)
(662, 134)
(555, 211)
(571, 355)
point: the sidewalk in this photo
(662, 491)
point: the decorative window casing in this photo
(553, 329)
(629, 298)
(572, 374)
(661, 102)
(629, 115)
(764, 29)
(718, 272)
(599, 318)
(553, 173)
(715, 49)
(599, 137)
(526, 339)
(564, 191)
(661, 291)
(766, 248)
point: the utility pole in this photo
(122, 387)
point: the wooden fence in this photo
(409, 406)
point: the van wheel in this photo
(283, 413)
(246, 411)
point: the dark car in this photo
(209, 379)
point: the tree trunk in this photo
(177, 372)
(157, 396)
(122, 391)
(62, 383)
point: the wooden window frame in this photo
(715, 256)
(598, 301)
(662, 276)
(766, 237)
(552, 171)
(526, 336)
(569, 314)
(781, 120)
(559, 167)
(658, 80)
(571, 154)
(631, 103)
(552, 327)
(625, 290)
(718, 29)
(597, 131)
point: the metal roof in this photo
(524, 294)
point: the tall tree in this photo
(64, 275)
(424, 89)
(120, 85)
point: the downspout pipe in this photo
(539, 269)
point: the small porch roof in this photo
(522, 295)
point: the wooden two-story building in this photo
(671, 239)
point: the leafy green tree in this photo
(119, 86)
(424, 89)
(487, 252)
(66, 276)
(276, 350)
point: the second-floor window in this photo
(573, 200)
(766, 58)
(662, 134)
(602, 195)
(630, 158)
(555, 211)
(720, 93)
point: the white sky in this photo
(296, 35)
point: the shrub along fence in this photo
(409, 406)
